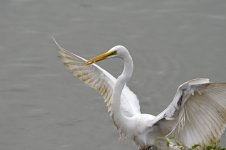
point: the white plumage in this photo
(197, 114)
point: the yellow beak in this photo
(99, 57)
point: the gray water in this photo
(42, 107)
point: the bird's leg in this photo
(152, 148)
(140, 148)
(148, 148)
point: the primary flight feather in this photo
(197, 114)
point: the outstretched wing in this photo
(98, 79)
(197, 113)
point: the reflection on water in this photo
(43, 107)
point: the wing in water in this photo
(198, 113)
(100, 80)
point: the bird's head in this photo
(116, 51)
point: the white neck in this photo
(119, 116)
(125, 76)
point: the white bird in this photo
(197, 114)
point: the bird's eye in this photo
(114, 53)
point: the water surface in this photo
(42, 107)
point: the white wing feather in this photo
(100, 80)
(198, 113)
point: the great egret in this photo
(197, 114)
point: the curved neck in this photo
(119, 85)
(123, 78)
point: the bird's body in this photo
(197, 114)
